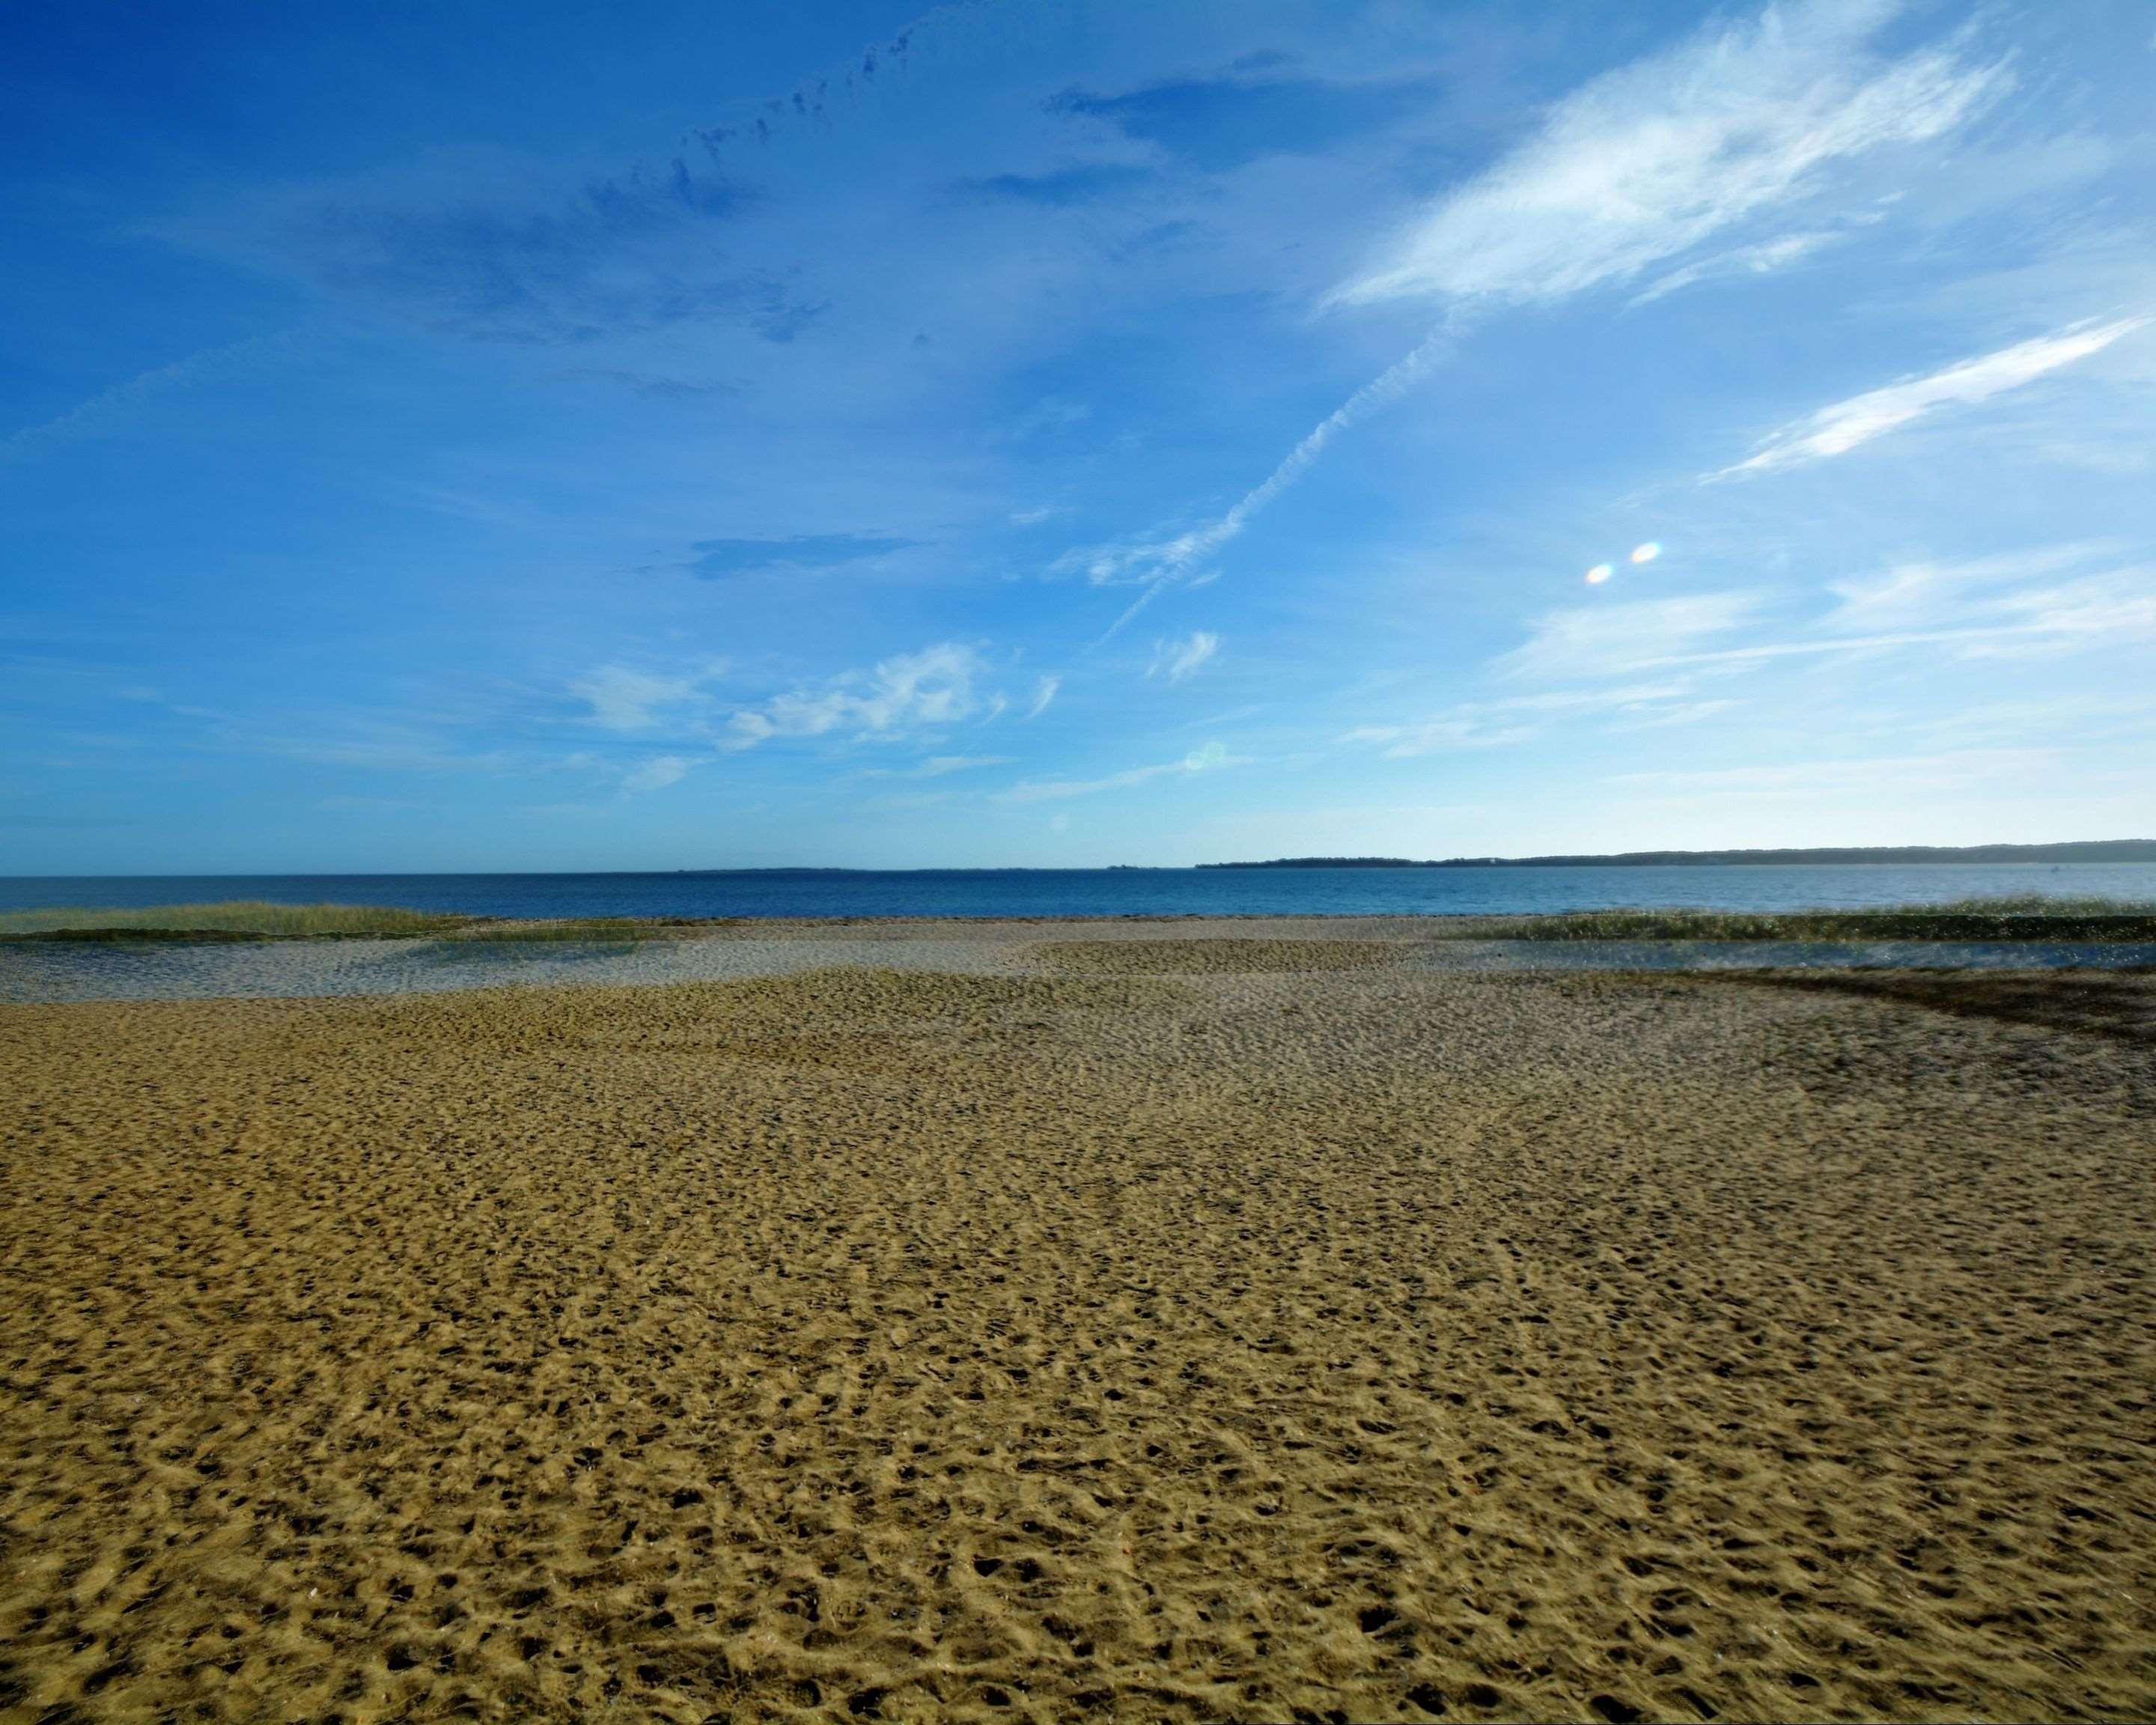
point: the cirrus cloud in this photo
(657, 773)
(1176, 659)
(1594, 641)
(1211, 757)
(1837, 429)
(1646, 162)
(625, 699)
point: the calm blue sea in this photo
(1111, 892)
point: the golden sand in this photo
(1226, 956)
(1343, 1345)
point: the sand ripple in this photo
(858, 1345)
(1215, 957)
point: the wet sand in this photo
(1170, 1335)
(50, 972)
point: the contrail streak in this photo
(1168, 560)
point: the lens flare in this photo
(1599, 574)
(1646, 553)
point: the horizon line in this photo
(1820, 855)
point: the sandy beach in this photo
(1154, 1327)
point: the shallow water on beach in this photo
(61, 971)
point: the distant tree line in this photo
(2096, 850)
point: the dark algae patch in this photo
(2122, 1008)
(2030, 918)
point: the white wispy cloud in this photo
(1043, 693)
(2085, 617)
(1157, 561)
(906, 692)
(1492, 724)
(1176, 658)
(386, 750)
(1924, 594)
(1845, 425)
(2027, 604)
(908, 802)
(1761, 259)
(1591, 642)
(2114, 609)
(2121, 723)
(1635, 167)
(1959, 769)
(657, 773)
(1207, 759)
(110, 409)
(623, 699)
(938, 766)
(1649, 161)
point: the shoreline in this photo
(33, 972)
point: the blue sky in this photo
(665, 435)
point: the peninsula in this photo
(2097, 850)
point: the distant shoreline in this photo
(2093, 853)
(2097, 850)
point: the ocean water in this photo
(1114, 892)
